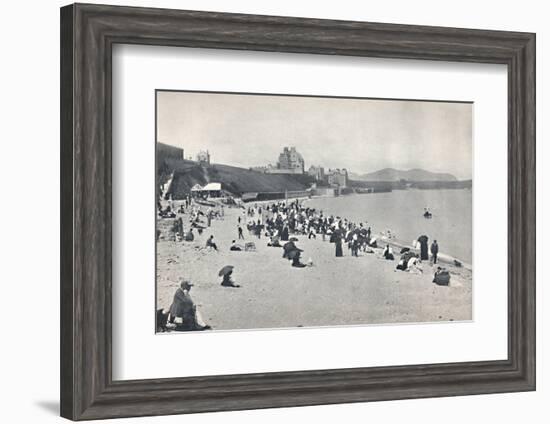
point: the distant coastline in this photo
(240, 181)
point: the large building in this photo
(165, 151)
(203, 157)
(291, 161)
(317, 172)
(338, 177)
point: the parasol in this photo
(225, 270)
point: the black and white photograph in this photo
(248, 212)
(286, 211)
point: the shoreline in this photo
(445, 258)
(397, 242)
(333, 292)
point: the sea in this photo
(401, 212)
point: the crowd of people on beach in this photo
(281, 223)
(281, 220)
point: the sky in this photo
(361, 135)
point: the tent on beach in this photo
(209, 190)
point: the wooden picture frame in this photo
(88, 33)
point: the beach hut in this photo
(212, 189)
(209, 190)
(196, 190)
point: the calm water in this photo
(401, 212)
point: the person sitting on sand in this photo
(413, 265)
(401, 265)
(189, 236)
(405, 260)
(167, 213)
(295, 255)
(388, 253)
(235, 247)
(288, 247)
(274, 241)
(441, 277)
(210, 243)
(162, 321)
(372, 242)
(227, 281)
(184, 307)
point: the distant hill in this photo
(391, 174)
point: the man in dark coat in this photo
(435, 250)
(183, 307)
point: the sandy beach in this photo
(333, 292)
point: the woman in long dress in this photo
(338, 243)
(184, 308)
(284, 234)
(423, 240)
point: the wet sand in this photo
(333, 292)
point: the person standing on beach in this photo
(435, 250)
(338, 243)
(240, 230)
(423, 240)
(355, 245)
(284, 233)
(258, 229)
